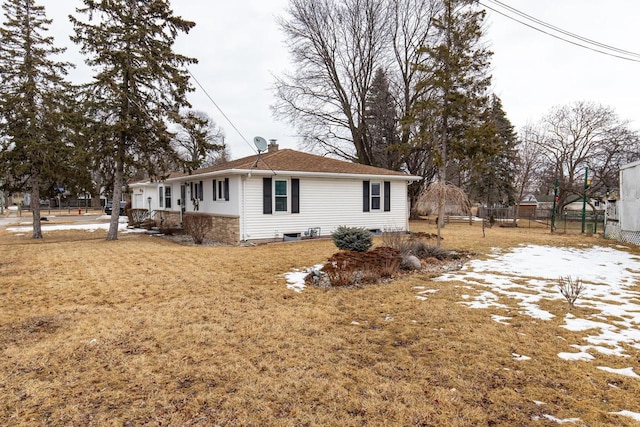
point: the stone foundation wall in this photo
(225, 229)
(167, 219)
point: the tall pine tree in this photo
(381, 119)
(33, 104)
(493, 167)
(454, 82)
(139, 85)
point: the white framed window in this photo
(167, 197)
(376, 192)
(221, 190)
(280, 194)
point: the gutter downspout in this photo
(243, 228)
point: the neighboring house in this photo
(623, 215)
(280, 194)
(541, 205)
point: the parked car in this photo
(109, 208)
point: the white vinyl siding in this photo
(324, 203)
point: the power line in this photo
(586, 40)
(230, 122)
(220, 110)
(560, 30)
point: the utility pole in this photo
(584, 196)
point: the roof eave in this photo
(262, 172)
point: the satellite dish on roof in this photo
(260, 143)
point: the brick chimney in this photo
(273, 146)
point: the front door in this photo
(183, 200)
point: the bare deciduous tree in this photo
(337, 47)
(529, 166)
(582, 135)
(441, 194)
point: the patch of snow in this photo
(421, 294)
(501, 319)
(575, 356)
(561, 421)
(295, 278)
(528, 274)
(539, 403)
(91, 227)
(520, 357)
(627, 372)
(625, 413)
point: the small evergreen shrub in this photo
(352, 239)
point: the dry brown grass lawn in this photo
(142, 331)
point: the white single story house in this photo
(280, 194)
(623, 215)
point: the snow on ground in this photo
(529, 274)
(634, 415)
(295, 278)
(627, 372)
(89, 226)
(558, 420)
(422, 292)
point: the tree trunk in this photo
(118, 180)
(516, 212)
(440, 218)
(35, 206)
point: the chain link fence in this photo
(567, 222)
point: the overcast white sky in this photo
(240, 47)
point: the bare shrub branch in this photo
(137, 216)
(197, 226)
(571, 289)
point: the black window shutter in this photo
(266, 196)
(295, 195)
(365, 196)
(201, 192)
(215, 190)
(226, 189)
(193, 196)
(387, 196)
